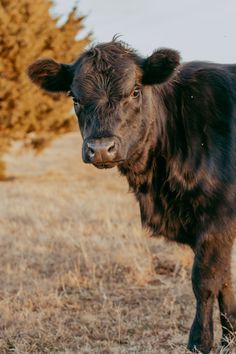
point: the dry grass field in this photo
(77, 273)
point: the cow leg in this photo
(209, 264)
(227, 301)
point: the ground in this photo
(78, 275)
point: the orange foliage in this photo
(27, 32)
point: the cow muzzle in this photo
(102, 152)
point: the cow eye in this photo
(69, 93)
(75, 100)
(136, 92)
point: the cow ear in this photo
(50, 75)
(160, 66)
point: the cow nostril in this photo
(111, 148)
(91, 151)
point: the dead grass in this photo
(77, 275)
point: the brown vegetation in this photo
(27, 32)
(77, 273)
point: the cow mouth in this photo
(107, 164)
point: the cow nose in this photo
(101, 150)
(105, 149)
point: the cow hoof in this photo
(200, 341)
(199, 348)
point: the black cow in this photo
(171, 130)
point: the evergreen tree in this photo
(28, 32)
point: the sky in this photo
(199, 29)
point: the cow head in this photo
(112, 89)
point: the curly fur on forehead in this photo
(107, 55)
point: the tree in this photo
(27, 32)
